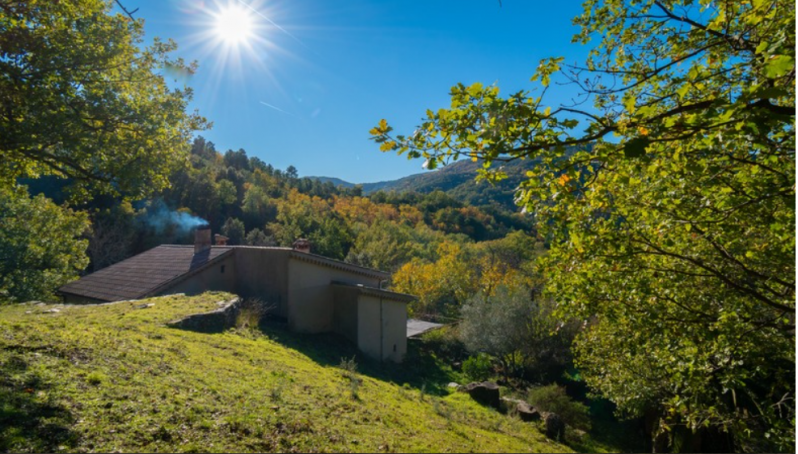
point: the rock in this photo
(486, 393)
(453, 385)
(145, 306)
(211, 322)
(555, 427)
(51, 311)
(527, 412)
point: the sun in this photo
(233, 25)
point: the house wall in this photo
(311, 297)
(394, 315)
(382, 328)
(345, 313)
(263, 273)
(211, 278)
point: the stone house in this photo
(314, 294)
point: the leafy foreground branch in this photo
(669, 205)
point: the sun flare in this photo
(233, 25)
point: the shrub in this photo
(478, 368)
(250, 314)
(349, 366)
(445, 343)
(553, 399)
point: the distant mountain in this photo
(456, 179)
(335, 181)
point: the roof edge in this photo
(332, 263)
(380, 293)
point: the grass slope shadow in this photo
(418, 370)
(29, 418)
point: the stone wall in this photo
(211, 322)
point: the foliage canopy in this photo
(82, 99)
(669, 204)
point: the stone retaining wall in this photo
(211, 322)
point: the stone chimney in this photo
(302, 245)
(220, 240)
(202, 239)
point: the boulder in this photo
(555, 427)
(486, 393)
(527, 412)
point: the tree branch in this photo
(129, 13)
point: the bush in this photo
(250, 314)
(349, 366)
(553, 399)
(478, 368)
(445, 343)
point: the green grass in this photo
(115, 378)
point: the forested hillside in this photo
(253, 203)
(457, 180)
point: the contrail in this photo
(270, 21)
(277, 109)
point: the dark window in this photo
(394, 348)
(222, 269)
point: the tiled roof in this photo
(140, 275)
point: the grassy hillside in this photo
(114, 378)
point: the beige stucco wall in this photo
(211, 278)
(394, 315)
(345, 312)
(368, 326)
(263, 273)
(382, 322)
(311, 297)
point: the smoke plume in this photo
(162, 218)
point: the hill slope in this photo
(114, 378)
(457, 179)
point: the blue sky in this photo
(315, 75)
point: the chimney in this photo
(302, 245)
(202, 239)
(220, 240)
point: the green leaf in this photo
(636, 147)
(779, 65)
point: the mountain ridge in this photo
(457, 179)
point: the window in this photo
(222, 269)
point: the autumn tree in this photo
(669, 205)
